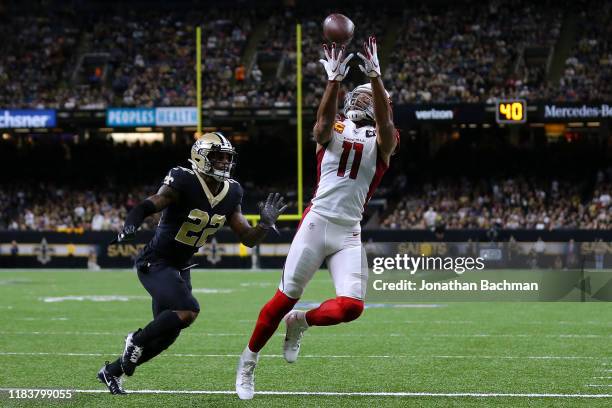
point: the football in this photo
(338, 28)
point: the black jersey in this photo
(188, 224)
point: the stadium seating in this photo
(587, 73)
(467, 54)
(457, 54)
(512, 203)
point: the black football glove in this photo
(270, 210)
(128, 233)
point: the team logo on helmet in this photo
(204, 164)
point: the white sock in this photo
(301, 317)
(250, 355)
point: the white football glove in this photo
(370, 66)
(335, 67)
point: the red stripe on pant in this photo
(269, 318)
(335, 311)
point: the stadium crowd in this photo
(35, 52)
(588, 70)
(513, 203)
(465, 53)
(48, 207)
(468, 54)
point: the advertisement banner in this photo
(564, 112)
(180, 116)
(33, 249)
(27, 118)
(441, 113)
(130, 117)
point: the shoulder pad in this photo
(177, 177)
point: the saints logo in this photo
(43, 252)
(213, 251)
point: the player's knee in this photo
(187, 317)
(351, 308)
(293, 291)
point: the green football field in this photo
(58, 327)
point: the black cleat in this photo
(131, 354)
(114, 384)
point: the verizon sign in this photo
(577, 112)
(434, 114)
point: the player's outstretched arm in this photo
(149, 206)
(385, 129)
(336, 68)
(269, 213)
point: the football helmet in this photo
(203, 164)
(359, 103)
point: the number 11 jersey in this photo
(349, 168)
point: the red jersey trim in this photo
(320, 155)
(381, 168)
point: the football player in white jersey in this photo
(353, 152)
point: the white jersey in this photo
(349, 170)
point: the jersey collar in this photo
(213, 199)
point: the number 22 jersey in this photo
(188, 224)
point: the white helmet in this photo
(359, 103)
(200, 162)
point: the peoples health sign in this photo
(165, 117)
(27, 118)
(130, 117)
(176, 116)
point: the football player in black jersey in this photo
(195, 203)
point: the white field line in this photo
(479, 357)
(321, 334)
(357, 394)
(452, 322)
(602, 378)
(599, 385)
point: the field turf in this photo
(453, 354)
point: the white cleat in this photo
(245, 374)
(296, 326)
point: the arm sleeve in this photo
(138, 214)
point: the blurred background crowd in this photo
(475, 52)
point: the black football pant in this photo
(170, 289)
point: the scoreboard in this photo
(511, 111)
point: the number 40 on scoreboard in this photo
(511, 111)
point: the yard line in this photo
(42, 353)
(599, 385)
(602, 378)
(104, 333)
(524, 357)
(322, 334)
(321, 356)
(358, 393)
